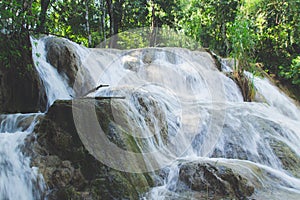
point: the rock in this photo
(62, 55)
(289, 159)
(69, 170)
(21, 89)
(150, 54)
(214, 181)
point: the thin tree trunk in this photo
(87, 23)
(111, 22)
(42, 17)
(102, 20)
(153, 26)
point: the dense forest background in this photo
(262, 34)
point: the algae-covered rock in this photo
(289, 159)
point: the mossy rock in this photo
(65, 162)
(289, 159)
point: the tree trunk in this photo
(110, 9)
(102, 20)
(42, 17)
(115, 17)
(87, 23)
(153, 27)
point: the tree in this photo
(42, 16)
(207, 21)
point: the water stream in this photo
(206, 118)
(181, 110)
(18, 179)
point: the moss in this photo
(119, 185)
(289, 159)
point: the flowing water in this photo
(55, 84)
(18, 179)
(181, 110)
(206, 119)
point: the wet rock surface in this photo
(62, 55)
(69, 170)
(289, 159)
(213, 181)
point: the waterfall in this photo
(18, 179)
(55, 84)
(205, 117)
(182, 112)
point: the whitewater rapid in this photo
(180, 109)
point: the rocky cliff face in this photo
(69, 170)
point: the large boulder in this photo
(69, 170)
(21, 89)
(63, 55)
(214, 181)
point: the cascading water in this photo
(183, 113)
(201, 111)
(55, 84)
(206, 119)
(18, 179)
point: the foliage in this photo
(15, 53)
(207, 21)
(277, 24)
(292, 72)
(165, 37)
(17, 16)
(265, 31)
(242, 39)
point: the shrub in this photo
(292, 72)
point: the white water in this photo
(18, 179)
(55, 84)
(203, 110)
(205, 115)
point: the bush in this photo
(292, 72)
